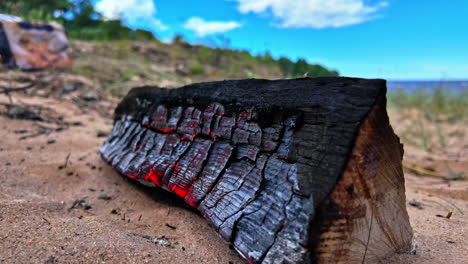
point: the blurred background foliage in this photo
(83, 22)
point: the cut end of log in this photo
(364, 219)
(288, 171)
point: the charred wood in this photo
(288, 171)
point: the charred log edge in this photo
(331, 211)
(265, 121)
(263, 95)
(166, 197)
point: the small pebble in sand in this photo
(80, 203)
(102, 134)
(416, 204)
(7, 164)
(171, 226)
(104, 197)
(77, 123)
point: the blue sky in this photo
(391, 39)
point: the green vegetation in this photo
(300, 67)
(36, 9)
(433, 118)
(197, 70)
(439, 104)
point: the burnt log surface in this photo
(257, 158)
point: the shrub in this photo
(197, 69)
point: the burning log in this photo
(288, 171)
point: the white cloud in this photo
(203, 28)
(313, 13)
(140, 13)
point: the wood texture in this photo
(258, 158)
(364, 219)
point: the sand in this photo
(42, 221)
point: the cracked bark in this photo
(271, 164)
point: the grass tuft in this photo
(440, 104)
